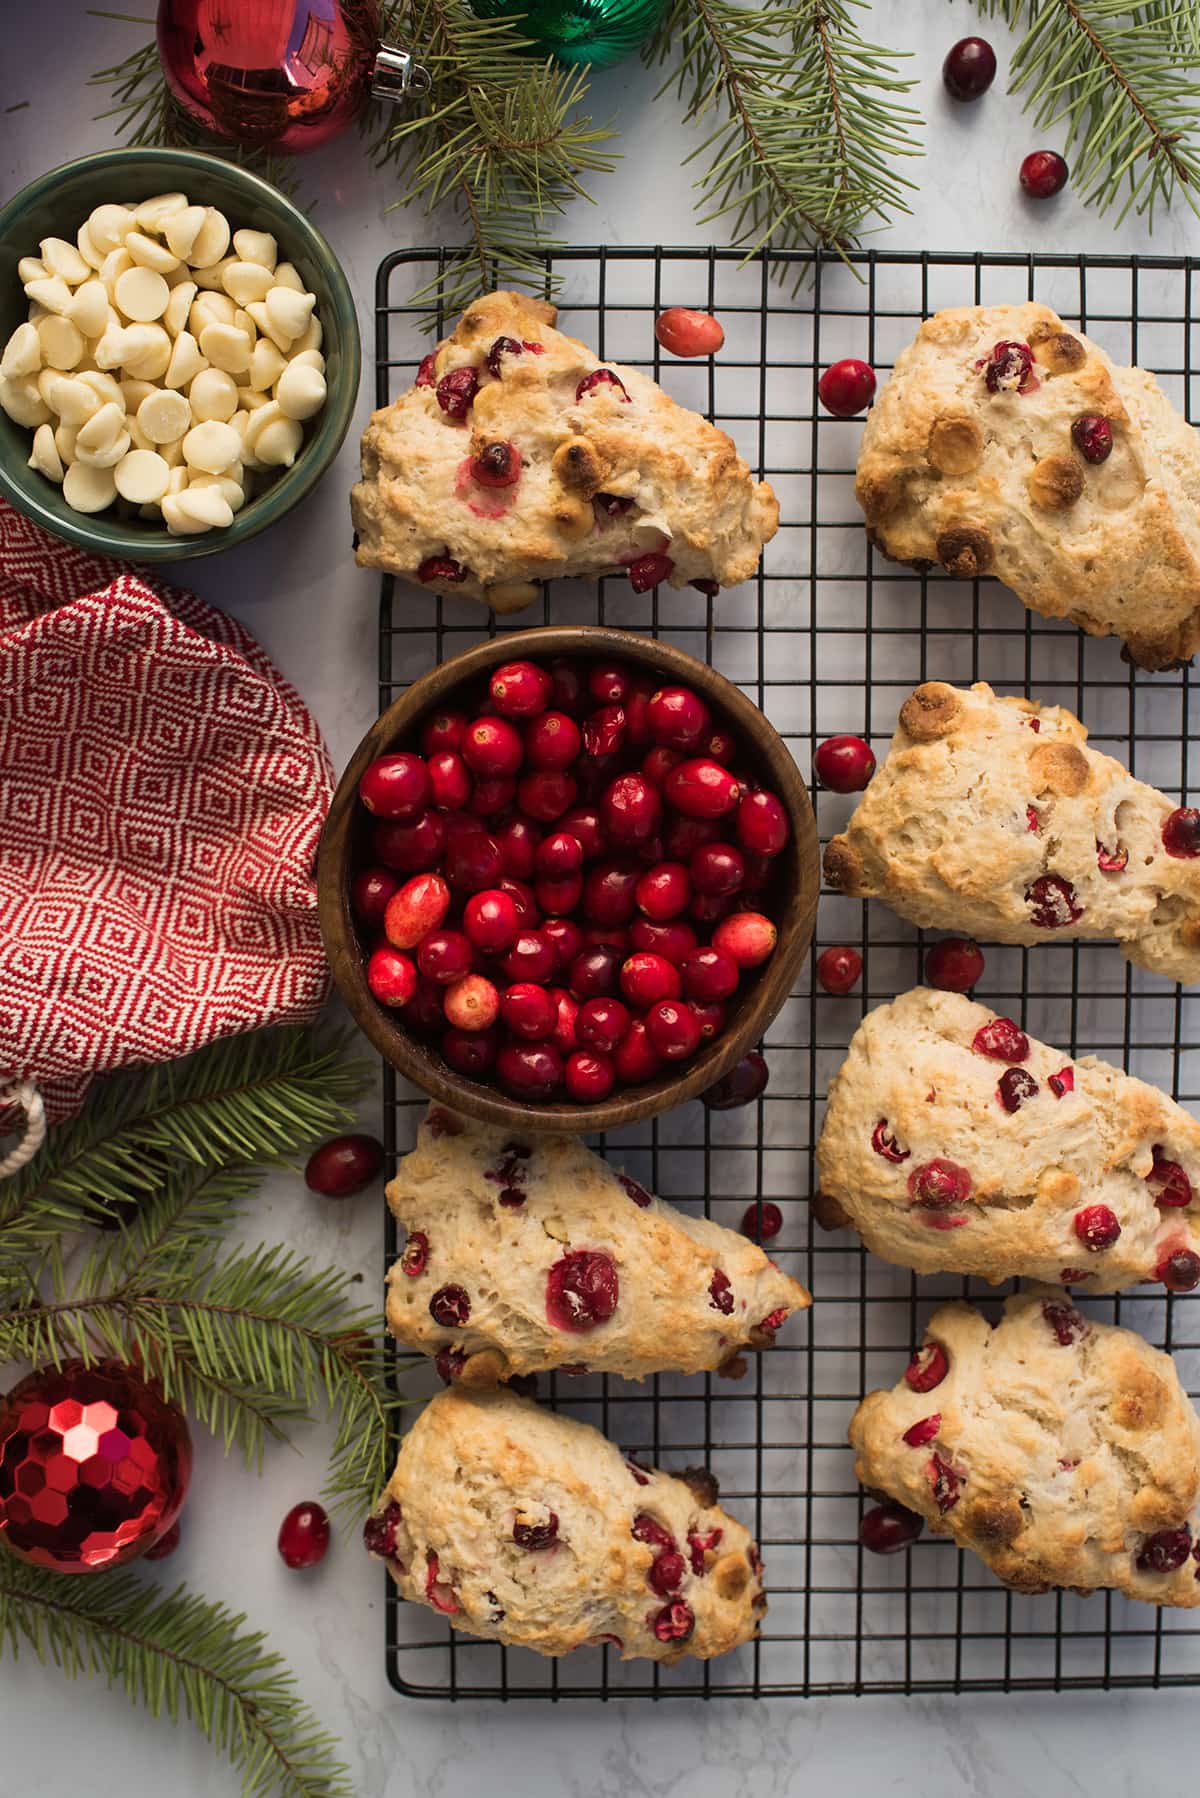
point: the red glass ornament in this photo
(285, 73)
(94, 1466)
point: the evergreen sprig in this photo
(1121, 77)
(181, 1654)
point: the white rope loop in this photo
(24, 1095)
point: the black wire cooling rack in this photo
(831, 638)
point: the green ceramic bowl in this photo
(56, 205)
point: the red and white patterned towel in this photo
(162, 791)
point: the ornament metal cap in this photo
(394, 74)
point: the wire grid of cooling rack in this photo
(830, 638)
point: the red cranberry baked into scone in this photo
(955, 1143)
(524, 1256)
(534, 1530)
(992, 816)
(1064, 1452)
(519, 456)
(1005, 444)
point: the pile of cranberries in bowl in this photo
(568, 878)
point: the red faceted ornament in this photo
(94, 1466)
(285, 73)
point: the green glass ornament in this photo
(596, 32)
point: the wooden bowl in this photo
(763, 991)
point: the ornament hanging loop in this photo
(23, 1095)
(395, 75)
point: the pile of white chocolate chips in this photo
(161, 367)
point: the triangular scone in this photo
(611, 470)
(534, 1530)
(523, 1256)
(968, 460)
(955, 1143)
(1064, 1452)
(992, 816)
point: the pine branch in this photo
(180, 1654)
(1122, 78)
(805, 124)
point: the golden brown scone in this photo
(1064, 1452)
(529, 1255)
(955, 1143)
(610, 471)
(967, 460)
(533, 1529)
(992, 816)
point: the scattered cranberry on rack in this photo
(847, 387)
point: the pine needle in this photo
(183, 1655)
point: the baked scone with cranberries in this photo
(1006, 444)
(1063, 1451)
(955, 1143)
(992, 816)
(522, 1256)
(519, 457)
(533, 1529)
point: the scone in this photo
(1005, 444)
(524, 1256)
(1064, 1452)
(955, 1143)
(533, 1529)
(518, 457)
(992, 816)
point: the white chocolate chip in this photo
(182, 229)
(44, 381)
(147, 352)
(312, 339)
(278, 442)
(88, 310)
(289, 312)
(63, 259)
(91, 253)
(102, 428)
(109, 351)
(64, 442)
(211, 446)
(180, 476)
(107, 227)
(134, 392)
(228, 484)
(141, 476)
(105, 387)
(152, 214)
(172, 452)
(286, 276)
(175, 318)
(52, 292)
(210, 309)
(266, 365)
(210, 278)
(74, 400)
(308, 359)
(45, 457)
(300, 391)
(164, 416)
(62, 344)
(147, 252)
(113, 267)
(226, 348)
(142, 294)
(22, 353)
(186, 361)
(137, 437)
(178, 522)
(20, 398)
(208, 505)
(88, 489)
(110, 455)
(244, 322)
(213, 394)
(250, 398)
(211, 241)
(244, 281)
(31, 268)
(256, 246)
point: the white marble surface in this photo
(299, 591)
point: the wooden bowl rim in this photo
(762, 1003)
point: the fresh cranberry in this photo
(472, 1003)
(449, 780)
(674, 940)
(886, 1143)
(1097, 1227)
(426, 376)
(381, 1530)
(582, 1290)
(602, 1023)
(528, 1010)
(552, 740)
(473, 861)
(601, 377)
(748, 937)
(745, 1082)
(1002, 1040)
(1043, 173)
(492, 794)
(589, 1078)
(658, 763)
(492, 747)
(762, 823)
(969, 68)
(637, 704)
(1066, 1323)
(838, 969)
(490, 921)
(593, 974)
(610, 892)
(1052, 902)
(631, 810)
(443, 730)
(470, 1053)
(709, 908)
(1179, 1271)
(1166, 1551)
(1170, 1184)
(445, 956)
(558, 855)
(441, 568)
(718, 868)
(844, 764)
(1008, 369)
(304, 1535)
(392, 977)
(532, 957)
(1181, 833)
(423, 1014)
(760, 1222)
(604, 731)
(546, 794)
(701, 789)
(342, 1166)
(927, 1367)
(498, 464)
(415, 909)
(711, 1015)
(1062, 1082)
(919, 1435)
(520, 689)
(887, 1529)
(609, 682)
(649, 571)
(503, 346)
(673, 1029)
(529, 1070)
(677, 718)
(709, 975)
(1092, 435)
(369, 893)
(566, 1013)
(570, 690)
(635, 1058)
(525, 900)
(684, 836)
(518, 840)
(583, 823)
(456, 391)
(534, 1536)
(395, 786)
(663, 891)
(450, 1307)
(674, 1623)
(565, 937)
(954, 965)
(1016, 1086)
(646, 978)
(939, 1184)
(686, 332)
(847, 387)
(944, 1483)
